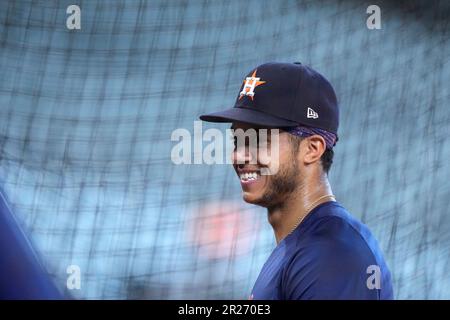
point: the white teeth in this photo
(249, 176)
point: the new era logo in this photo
(311, 114)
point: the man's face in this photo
(282, 168)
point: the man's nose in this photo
(242, 155)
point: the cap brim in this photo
(249, 116)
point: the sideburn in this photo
(282, 185)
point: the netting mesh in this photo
(86, 118)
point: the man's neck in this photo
(285, 218)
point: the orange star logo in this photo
(250, 83)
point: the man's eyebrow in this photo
(254, 128)
(234, 128)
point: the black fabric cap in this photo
(283, 95)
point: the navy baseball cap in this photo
(283, 95)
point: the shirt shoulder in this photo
(331, 259)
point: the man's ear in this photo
(314, 147)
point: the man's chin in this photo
(252, 198)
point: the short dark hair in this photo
(326, 159)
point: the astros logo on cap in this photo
(250, 84)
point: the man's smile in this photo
(250, 178)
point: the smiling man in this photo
(322, 251)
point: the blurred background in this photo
(86, 118)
